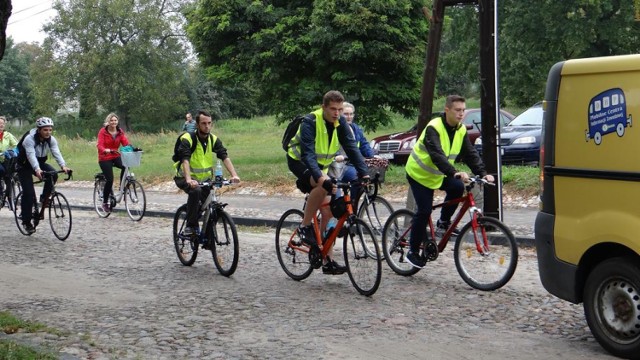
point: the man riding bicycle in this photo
(33, 148)
(310, 153)
(197, 165)
(430, 167)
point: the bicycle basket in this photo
(338, 206)
(131, 159)
(377, 166)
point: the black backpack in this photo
(194, 143)
(291, 130)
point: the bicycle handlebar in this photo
(213, 183)
(51, 173)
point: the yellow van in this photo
(588, 228)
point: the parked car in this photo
(520, 139)
(397, 147)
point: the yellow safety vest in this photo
(201, 162)
(325, 150)
(420, 166)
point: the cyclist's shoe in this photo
(415, 260)
(106, 208)
(444, 226)
(190, 231)
(28, 227)
(333, 268)
(308, 235)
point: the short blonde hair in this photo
(106, 120)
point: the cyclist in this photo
(8, 143)
(198, 166)
(311, 151)
(110, 138)
(33, 148)
(430, 167)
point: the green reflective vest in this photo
(325, 150)
(201, 162)
(420, 166)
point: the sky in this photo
(27, 19)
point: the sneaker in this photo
(333, 268)
(444, 226)
(190, 231)
(415, 260)
(106, 208)
(307, 235)
(28, 227)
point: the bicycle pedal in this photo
(315, 257)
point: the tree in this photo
(15, 83)
(295, 51)
(5, 13)
(117, 55)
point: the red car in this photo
(397, 147)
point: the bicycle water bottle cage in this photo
(338, 206)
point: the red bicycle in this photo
(485, 251)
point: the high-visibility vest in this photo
(201, 162)
(420, 166)
(325, 151)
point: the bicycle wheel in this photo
(395, 242)
(486, 257)
(16, 188)
(135, 201)
(365, 268)
(375, 212)
(186, 246)
(98, 198)
(60, 216)
(292, 255)
(224, 244)
(17, 213)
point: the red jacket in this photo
(107, 141)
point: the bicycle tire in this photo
(186, 246)
(16, 189)
(98, 198)
(135, 200)
(362, 258)
(375, 212)
(223, 238)
(17, 213)
(395, 242)
(60, 218)
(493, 269)
(294, 261)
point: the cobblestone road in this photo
(118, 291)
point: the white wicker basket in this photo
(131, 158)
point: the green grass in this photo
(254, 146)
(10, 324)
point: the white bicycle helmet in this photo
(44, 121)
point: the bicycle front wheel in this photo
(395, 242)
(292, 254)
(362, 258)
(60, 216)
(135, 201)
(486, 257)
(224, 244)
(375, 212)
(98, 198)
(186, 246)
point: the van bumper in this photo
(558, 277)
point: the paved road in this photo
(117, 291)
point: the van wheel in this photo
(612, 306)
(597, 138)
(620, 130)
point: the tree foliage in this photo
(123, 56)
(295, 51)
(15, 83)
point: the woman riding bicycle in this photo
(110, 138)
(430, 167)
(33, 148)
(7, 144)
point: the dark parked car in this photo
(520, 140)
(397, 147)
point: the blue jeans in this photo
(424, 203)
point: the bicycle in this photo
(485, 251)
(11, 185)
(59, 209)
(135, 200)
(360, 247)
(218, 232)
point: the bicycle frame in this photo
(127, 176)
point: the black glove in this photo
(328, 185)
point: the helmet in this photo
(44, 121)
